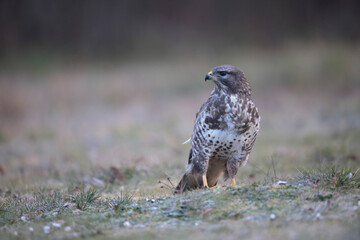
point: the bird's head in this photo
(229, 79)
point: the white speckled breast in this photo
(239, 126)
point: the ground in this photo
(84, 146)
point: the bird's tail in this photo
(188, 182)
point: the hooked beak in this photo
(209, 76)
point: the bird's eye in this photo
(222, 73)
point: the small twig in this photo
(256, 167)
(168, 178)
(268, 173)
(273, 165)
(165, 185)
(299, 171)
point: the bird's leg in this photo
(233, 182)
(205, 183)
(232, 167)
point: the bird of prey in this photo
(224, 133)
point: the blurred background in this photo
(98, 88)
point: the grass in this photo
(334, 177)
(122, 202)
(84, 198)
(83, 158)
(310, 197)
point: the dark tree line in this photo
(116, 27)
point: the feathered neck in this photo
(244, 91)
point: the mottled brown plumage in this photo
(224, 133)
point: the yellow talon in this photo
(206, 183)
(233, 182)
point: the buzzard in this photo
(224, 133)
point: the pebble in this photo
(46, 229)
(97, 182)
(66, 204)
(76, 212)
(280, 182)
(55, 224)
(127, 224)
